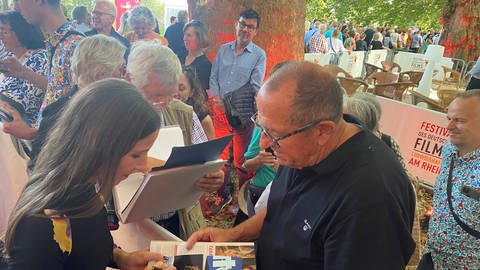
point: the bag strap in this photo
(335, 52)
(54, 49)
(464, 226)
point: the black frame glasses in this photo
(243, 25)
(274, 140)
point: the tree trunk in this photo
(461, 22)
(281, 28)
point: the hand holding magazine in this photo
(172, 187)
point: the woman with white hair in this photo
(367, 109)
(142, 22)
(96, 57)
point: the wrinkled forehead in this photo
(468, 108)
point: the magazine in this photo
(207, 255)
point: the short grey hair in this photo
(111, 8)
(318, 95)
(96, 58)
(182, 16)
(152, 58)
(141, 14)
(364, 109)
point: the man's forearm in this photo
(250, 229)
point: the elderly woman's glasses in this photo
(275, 140)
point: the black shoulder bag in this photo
(462, 224)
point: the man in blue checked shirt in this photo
(239, 67)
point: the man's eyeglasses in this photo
(275, 140)
(99, 13)
(243, 25)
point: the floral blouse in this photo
(24, 92)
(450, 245)
(59, 76)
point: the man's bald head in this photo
(316, 93)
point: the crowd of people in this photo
(88, 104)
(356, 37)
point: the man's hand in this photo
(17, 127)
(14, 67)
(137, 260)
(211, 182)
(210, 234)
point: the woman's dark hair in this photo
(27, 34)
(198, 98)
(78, 13)
(100, 125)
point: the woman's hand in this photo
(211, 182)
(267, 159)
(137, 260)
(160, 265)
(17, 127)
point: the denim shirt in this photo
(231, 71)
(450, 245)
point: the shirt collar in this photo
(55, 38)
(332, 162)
(249, 47)
(468, 157)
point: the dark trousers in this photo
(473, 84)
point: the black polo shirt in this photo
(353, 210)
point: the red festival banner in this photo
(124, 6)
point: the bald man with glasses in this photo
(340, 199)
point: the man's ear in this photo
(324, 131)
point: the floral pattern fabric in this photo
(59, 76)
(451, 247)
(24, 92)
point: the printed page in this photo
(207, 256)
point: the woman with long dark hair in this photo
(59, 221)
(191, 92)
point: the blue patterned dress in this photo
(24, 92)
(450, 245)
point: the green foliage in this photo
(70, 4)
(422, 13)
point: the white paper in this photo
(161, 192)
(167, 138)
